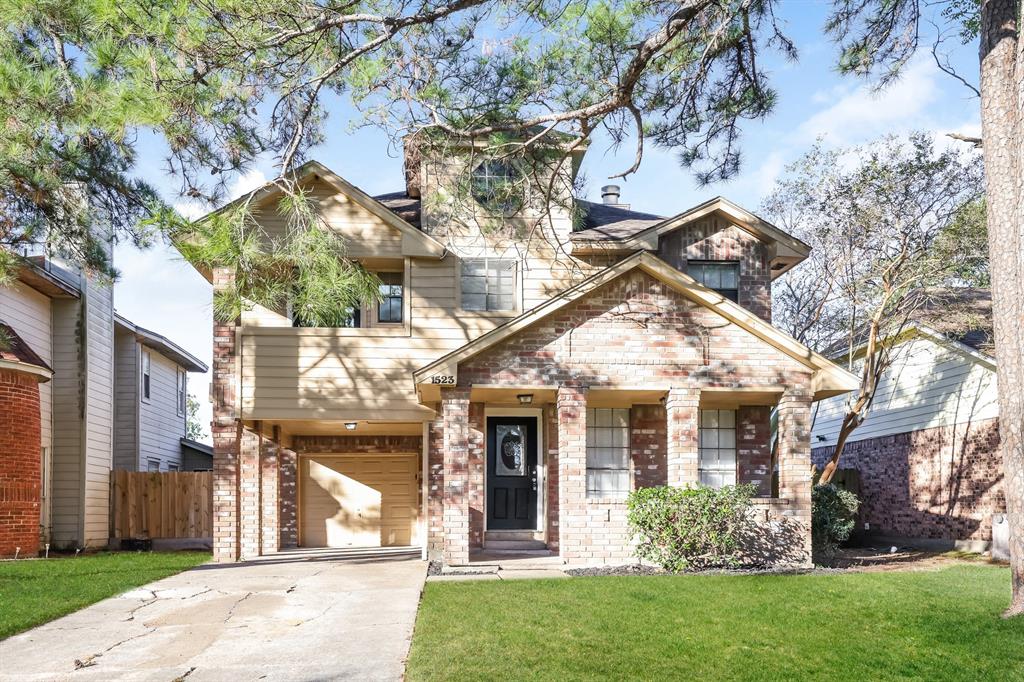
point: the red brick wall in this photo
(753, 447)
(940, 483)
(19, 463)
(287, 495)
(648, 443)
(718, 240)
(226, 433)
(550, 419)
(435, 487)
(476, 473)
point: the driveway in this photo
(301, 616)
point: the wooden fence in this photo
(151, 505)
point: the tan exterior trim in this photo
(786, 249)
(414, 241)
(828, 379)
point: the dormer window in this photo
(495, 185)
(722, 276)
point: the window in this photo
(182, 379)
(152, 465)
(172, 467)
(717, 450)
(351, 318)
(495, 185)
(722, 276)
(390, 307)
(607, 452)
(488, 284)
(147, 364)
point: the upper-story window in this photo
(389, 309)
(717, 448)
(722, 276)
(147, 373)
(488, 284)
(496, 185)
(181, 388)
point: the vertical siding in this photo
(160, 426)
(126, 401)
(28, 312)
(929, 385)
(66, 458)
(99, 397)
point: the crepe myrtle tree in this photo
(226, 82)
(875, 216)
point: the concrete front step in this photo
(517, 535)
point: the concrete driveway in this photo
(300, 616)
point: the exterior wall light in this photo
(525, 398)
(350, 426)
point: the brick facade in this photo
(943, 483)
(19, 464)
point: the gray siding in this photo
(99, 411)
(930, 384)
(160, 426)
(66, 459)
(126, 400)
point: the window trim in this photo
(617, 496)
(701, 449)
(149, 465)
(146, 375)
(180, 391)
(517, 298)
(737, 264)
(374, 312)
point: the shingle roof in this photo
(600, 221)
(962, 314)
(14, 349)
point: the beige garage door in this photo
(358, 500)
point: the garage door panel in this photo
(359, 500)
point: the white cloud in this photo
(862, 112)
(246, 183)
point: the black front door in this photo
(512, 473)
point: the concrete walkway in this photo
(298, 616)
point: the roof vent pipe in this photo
(610, 194)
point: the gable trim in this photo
(828, 378)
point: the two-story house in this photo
(114, 397)
(530, 362)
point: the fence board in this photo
(171, 504)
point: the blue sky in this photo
(160, 292)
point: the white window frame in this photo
(146, 375)
(152, 465)
(487, 261)
(716, 451)
(608, 440)
(181, 388)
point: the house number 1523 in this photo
(442, 379)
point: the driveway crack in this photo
(231, 611)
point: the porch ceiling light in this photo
(350, 426)
(525, 398)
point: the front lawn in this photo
(922, 625)
(37, 591)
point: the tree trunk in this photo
(1002, 100)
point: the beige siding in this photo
(160, 426)
(99, 410)
(126, 400)
(929, 385)
(29, 313)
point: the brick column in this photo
(571, 407)
(455, 413)
(249, 494)
(682, 414)
(753, 447)
(435, 486)
(795, 463)
(288, 495)
(226, 431)
(271, 510)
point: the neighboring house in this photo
(509, 390)
(928, 450)
(91, 418)
(151, 399)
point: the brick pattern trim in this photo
(20, 452)
(940, 483)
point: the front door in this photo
(512, 473)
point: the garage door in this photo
(358, 500)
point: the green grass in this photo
(36, 591)
(925, 625)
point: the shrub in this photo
(833, 515)
(680, 528)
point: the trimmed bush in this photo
(684, 528)
(833, 516)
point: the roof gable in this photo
(829, 379)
